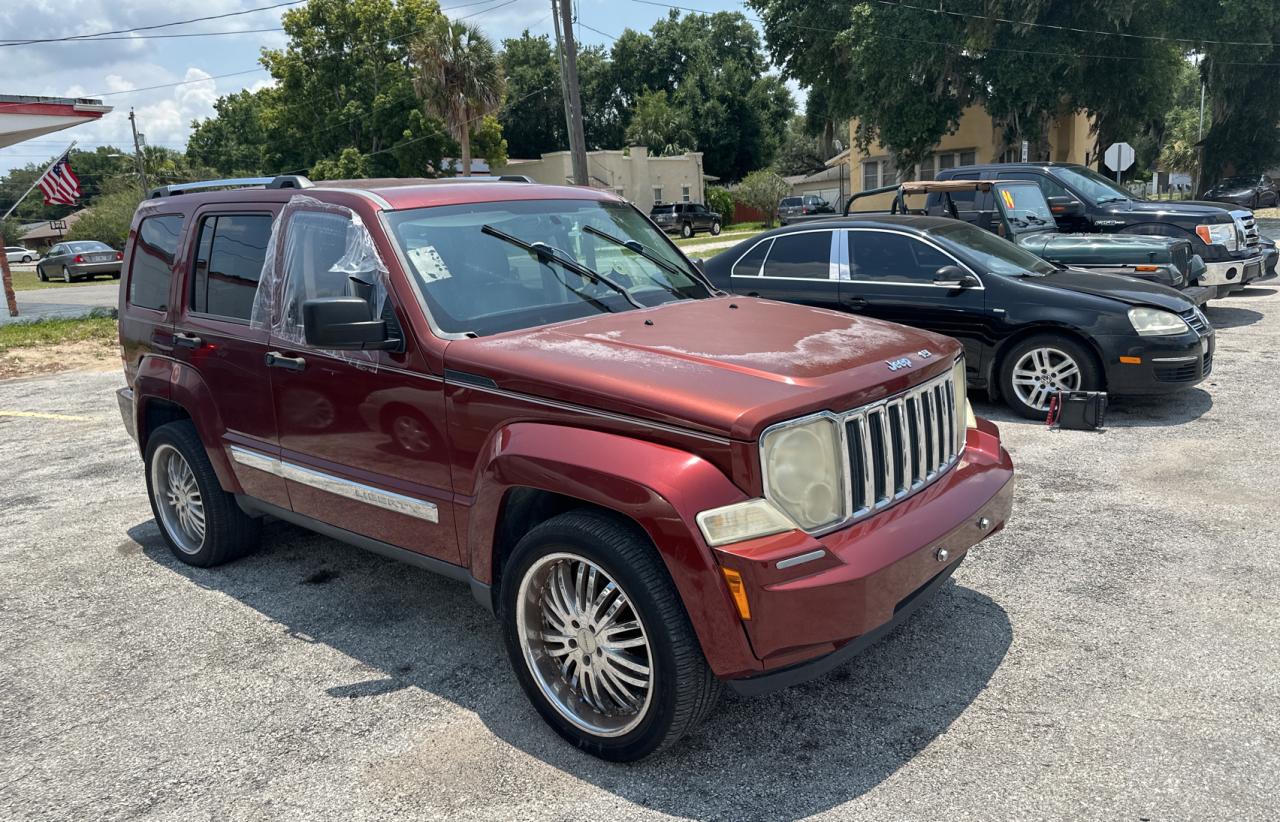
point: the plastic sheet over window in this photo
(317, 249)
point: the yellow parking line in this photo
(39, 416)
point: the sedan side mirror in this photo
(344, 323)
(953, 276)
(1061, 206)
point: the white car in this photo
(18, 254)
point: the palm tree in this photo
(459, 78)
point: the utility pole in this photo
(137, 153)
(562, 11)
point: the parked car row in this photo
(79, 260)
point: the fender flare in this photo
(176, 382)
(660, 488)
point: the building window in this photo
(684, 193)
(877, 173)
(657, 194)
(941, 161)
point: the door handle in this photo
(277, 360)
(753, 293)
(185, 340)
(856, 303)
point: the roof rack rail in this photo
(279, 181)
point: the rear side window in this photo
(151, 269)
(749, 265)
(804, 256)
(229, 263)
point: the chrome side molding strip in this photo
(388, 500)
(799, 559)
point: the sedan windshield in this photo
(1092, 185)
(485, 268)
(989, 252)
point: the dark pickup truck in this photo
(1082, 200)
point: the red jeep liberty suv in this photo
(659, 489)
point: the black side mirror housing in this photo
(1065, 206)
(953, 276)
(344, 323)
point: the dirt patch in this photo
(77, 355)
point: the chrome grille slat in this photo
(918, 436)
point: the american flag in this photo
(60, 184)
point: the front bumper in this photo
(1232, 273)
(808, 618)
(1167, 363)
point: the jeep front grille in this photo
(898, 446)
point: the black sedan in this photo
(1030, 328)
(1250, 191)
(82, 258)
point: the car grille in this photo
(1180, 256)
(899, 445)
(1247, 227)
(1197, 320)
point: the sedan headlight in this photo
(1152, 322)
(1223, 234)
(803, 473)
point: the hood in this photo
(727, 365)
(1122, 248)
(1183, 208)
(1116, 287)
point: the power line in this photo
(1073, 29)
(153, 26)
(149, 36)
(596, 30)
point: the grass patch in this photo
(98, 327)
(27, 281)
(1267, 213)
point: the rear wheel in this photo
(26, 258)
(1041, 366)
(599, 638)
(201, 523)
(686, 230)
(66, 274)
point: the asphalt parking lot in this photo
(1112, 655)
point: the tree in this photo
(799, 153)
(763, 190)
(109, 216)
(349, 165)
(720, 200)
(345, 81)
(658, 125)
(532, 116)
(235, 140)
(459, 78)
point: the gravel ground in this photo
(1112, 655)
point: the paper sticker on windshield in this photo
(1008, 197)
(427, 260)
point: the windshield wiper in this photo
(636, 248)
(546, 254)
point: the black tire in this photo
(1091, 378)
(686, 230)
(229, 533)
(684, 690)
(715, 228)
(26, 258)
(66, 275)
(115, 276)
(40, 275)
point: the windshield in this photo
(989, 252)
(1091, 185)
(474, 281)
(1237, 182)
(1025, 206)
(89, 245)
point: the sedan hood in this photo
(1116, 287)
(728, 366)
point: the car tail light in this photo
(119, 255)
(79, 258)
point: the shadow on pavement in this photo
(1224, 317)
(1136, 411)
(830, 740)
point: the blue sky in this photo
(119, 69)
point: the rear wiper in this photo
(546, 254)
(635, 247)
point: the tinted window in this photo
(800, 256)
(1091, 184)
(229, 263)
(152, 266)
(893, 258)
(987, 251)
(791, 201)
(749, 265)
(1050, 187)
(662, 209)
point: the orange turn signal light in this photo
(1146, 268)
(1131, 360)
(738, 591)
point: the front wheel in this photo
(599, 638)
(686, 230)
(41, 276)
(715, 228)
(66, 274)
(26, 258)
(1041, 366)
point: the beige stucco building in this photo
(631, 173)
(977, 139)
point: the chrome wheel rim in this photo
(1042, 372)
(178, 499)
(585, 644)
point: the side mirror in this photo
(697, 262)
(344, 323)
(1065, 206)
(953, 276)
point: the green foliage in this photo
(720, 200)
(96, 169)
(799, 153)
(459, 78)
(763, 190)
(488, 142)
(657, 124)
(235, 140)
(532, 116)
(108, 218)
(350, 164)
